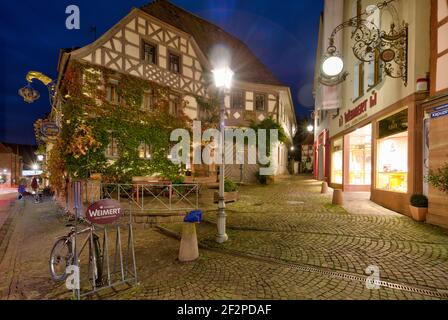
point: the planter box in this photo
(228, 196)
(418, 214)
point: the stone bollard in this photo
(338, 197)
(324, 188)
(188, 250)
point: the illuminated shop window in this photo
(392, 163)
(360, 156)
(337, 162)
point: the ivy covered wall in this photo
(90, 119)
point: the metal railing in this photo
(147, 198)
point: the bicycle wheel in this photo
(60, 258)
(95, 262)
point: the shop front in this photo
(351, 160)
(381, 153)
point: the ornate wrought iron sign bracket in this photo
(371, 43)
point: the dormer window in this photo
(174, 62)
(149, 53)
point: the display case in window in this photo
(392, 164)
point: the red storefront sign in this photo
(104, 212)
(359, 110)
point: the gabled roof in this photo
(5, 149)
(245, 64)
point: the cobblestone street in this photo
(286, 241)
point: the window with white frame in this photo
(112, 92)
(260, 102)
(148, 101)
(373, 74)
(174, 103)
(149, 52)
(112, 147)
(237, 100)
(174, 62)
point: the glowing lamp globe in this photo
(332, 66)
(223, 78)
(310, 128)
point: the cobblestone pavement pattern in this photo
(271, 229)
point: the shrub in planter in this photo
(230, 186)
(419, 207)
(439, 178)
(419, 201)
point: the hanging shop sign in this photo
(49, 130)
(104, 212)
(439, 112)
(394, 124)
(359, 112)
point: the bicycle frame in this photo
(89, 238)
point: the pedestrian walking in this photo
(35, 187)
(21, 191)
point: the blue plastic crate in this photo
(194, 216)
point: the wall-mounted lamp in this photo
(370, 42)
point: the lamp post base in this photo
(221, 238)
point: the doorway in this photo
(358, 160)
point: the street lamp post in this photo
(223, 80)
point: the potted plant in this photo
(419, 207)
(230, 192)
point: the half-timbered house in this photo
(163, 43)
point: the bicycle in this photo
(62, 254)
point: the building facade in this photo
(11, 166)
(370, 126)
(165, 44)
(436, 112)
